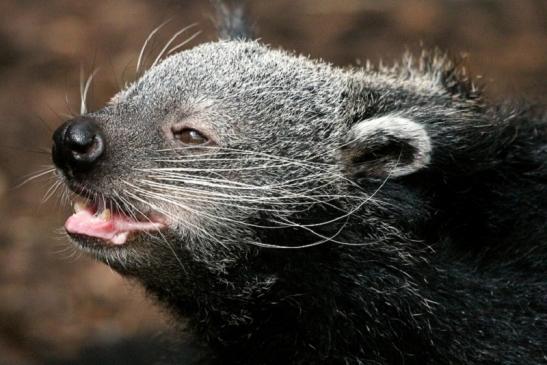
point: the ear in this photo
(231, 19)
(390, 145)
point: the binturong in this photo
(300, 213)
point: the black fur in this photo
(447, 264)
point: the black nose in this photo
(77, 144)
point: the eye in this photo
(190, 136)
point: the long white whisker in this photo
(51, 191)
(166, 213)
(160, 55)
(145, 44)
(35, 176)
(158, 231)
(84, 89)
(188, 40)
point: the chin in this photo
(121, 258)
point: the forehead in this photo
(226, 69)
(205, 69)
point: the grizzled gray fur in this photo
(334, 216)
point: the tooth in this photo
(105, 214)
(120, 238)
(79, 206)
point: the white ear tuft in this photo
(388, 145)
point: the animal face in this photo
(216, 150)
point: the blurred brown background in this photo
(56, 304)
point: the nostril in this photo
(78, 144)
(88, 151)
(84, 140)
(80, 140)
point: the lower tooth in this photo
(120, 238)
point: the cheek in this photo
(129, 150)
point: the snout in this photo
(78, 145)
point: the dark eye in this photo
(190, 136)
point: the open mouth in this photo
(109, 225)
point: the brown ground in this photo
(53, 301)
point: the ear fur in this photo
(389, 145)
(231, 19)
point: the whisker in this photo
(168, 214)
(84, 89)
(49, 193)
(188, 40)
(164, 239)
(160, 55)
(34, 176)
(145, 44)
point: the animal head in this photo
(229, 149)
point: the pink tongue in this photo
(115, 230)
